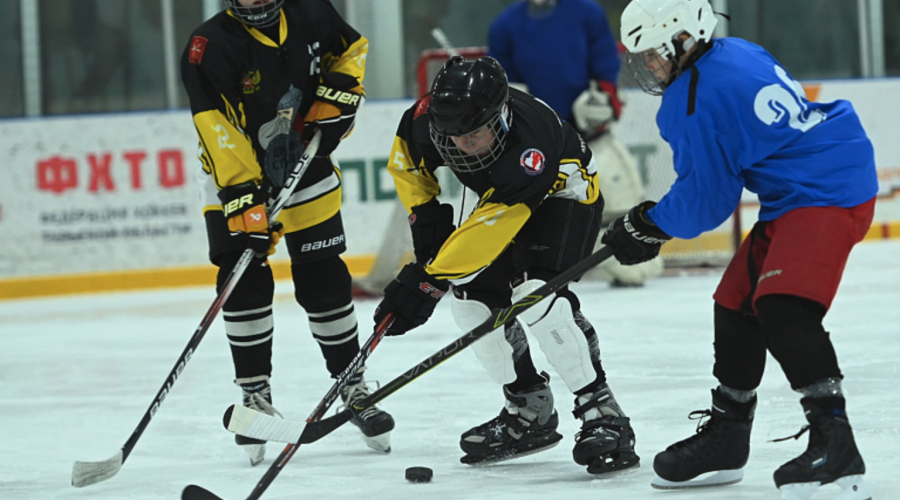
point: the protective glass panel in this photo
(11, 98)
(812, 39)
(892, 37)
(465, 23)
(101, 56)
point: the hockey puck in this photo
(419, 474)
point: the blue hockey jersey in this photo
(555, 55)
(736, 120)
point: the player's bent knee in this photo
(794, 334)
(493, 351)
(558, 335)
(322, 285)
(254, 290)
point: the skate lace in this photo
(813, 450)
(259, 401)
(700, 439)
(606, 427)
(357, 392)
(792, 436)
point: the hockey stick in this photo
(276, 429)
(441, 38)
(194, 492)
(87, 473)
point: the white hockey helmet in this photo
(657, 25)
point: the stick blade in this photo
(88, 473)
(194, 492)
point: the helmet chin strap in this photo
(504, 118)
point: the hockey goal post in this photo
(636, 130)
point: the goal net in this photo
(636, 130)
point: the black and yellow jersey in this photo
(247, 85)
(543, 157)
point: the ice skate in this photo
(605, 443)
(831, 456)
(257, 394)
(526, 425)
(376, 424)
(716, 454)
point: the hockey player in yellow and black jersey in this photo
(538, 213)
(262, 76)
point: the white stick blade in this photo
(87, 473)
(258, 425)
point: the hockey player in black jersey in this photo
(538, 212)
(262, 76)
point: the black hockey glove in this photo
(243, 206)
(633, 237)
(412, 297)
(431, 224)
(338, 96)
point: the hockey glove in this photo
(243, 205)
(431, 224)
(334, 111)
(633, 237)
(412, 297)
(596, 109)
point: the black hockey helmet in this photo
(258, 16)
(466, 97)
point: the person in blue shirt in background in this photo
(735, 119)
(564, 53)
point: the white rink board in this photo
(117, 192)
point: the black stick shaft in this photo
(317, 430)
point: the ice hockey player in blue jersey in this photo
(564, 53)
(736, 120)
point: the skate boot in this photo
(257, 394)
(527, 424)
(606, 440)
(718, 451)
(375, 423)
(831, 457)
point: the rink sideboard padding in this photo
(110, 202)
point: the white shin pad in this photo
(552, 323)
(492, 350)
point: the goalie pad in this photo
(492, 350)
(618, 175)
(611, 270)
(552, 323)
(622, 188)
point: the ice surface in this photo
(77, 374)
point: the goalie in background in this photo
(258, 88)
(539, 212)
(735, 119)
(564, 53)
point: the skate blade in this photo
(852, 488)
(714, 478)
(380, 443)
(614, 468)
(503, 457)
(256, 453)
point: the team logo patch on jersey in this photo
(532, 160)
(250, 82)
(198, 47)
